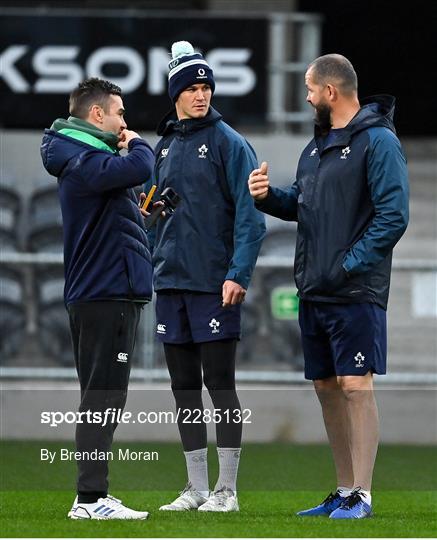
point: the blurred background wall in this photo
(259, 51)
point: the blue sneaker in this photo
(331, 503)
(353, 507)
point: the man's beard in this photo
(323, 118)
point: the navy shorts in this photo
(343, 339)
(196, 317)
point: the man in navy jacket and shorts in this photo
(203, 256)
(350, 201)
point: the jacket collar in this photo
(375, 111)
(171, 123)
(82, 126)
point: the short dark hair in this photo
(90, 92)
(336, 69)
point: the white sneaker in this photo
(189, 499)
(73, 508)
(222, 500)
(105, 508)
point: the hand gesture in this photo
(125, 137)
(259, 182)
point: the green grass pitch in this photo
(276, 480)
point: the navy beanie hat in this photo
(186, 68)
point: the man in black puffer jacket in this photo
(108, 271)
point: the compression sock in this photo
(229, 459)
(197, 469)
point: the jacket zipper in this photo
(316, 179)
(183, 131)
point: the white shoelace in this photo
(186, 497)
(220, 496)
(113, 499)
(113, 503)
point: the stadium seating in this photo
(12, 313)
(45, 221)
(45, 236)
(12, 305)
(10, 204)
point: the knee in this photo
(354, 387)
(187, 398)
(181, 384)
(219, 381)
(215, 386)
(186, 393)
(328, 391)
(326, 387)
(222, 392)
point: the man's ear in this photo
(96, 114)
(332, 92)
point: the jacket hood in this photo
(375, 111)
(171, 123)
(57, 150)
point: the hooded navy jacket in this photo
(215, 233)
(350, 200)
(106, 253)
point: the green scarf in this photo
(87, 133)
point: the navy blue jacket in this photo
(215, 233)
(350, 200)
(106, 253)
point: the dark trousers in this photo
(216, 359)
(103, 334)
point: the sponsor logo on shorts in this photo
(122, 357)
(215, 326)
(359, 359)
(161, 329)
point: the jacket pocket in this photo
(139, 273)
(332, 274)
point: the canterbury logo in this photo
(122, 357)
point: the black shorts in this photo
(342, 339)
(184, 317)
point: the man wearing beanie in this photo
(204, 255)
